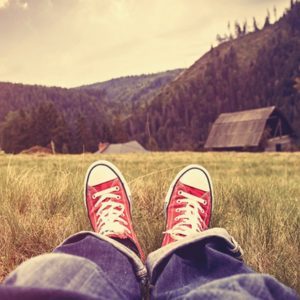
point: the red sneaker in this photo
(108, 202)
(188, 204)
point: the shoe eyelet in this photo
(176, 219)
(178, 201)
(93, 196)
(118, 197)
(117, 188)
(204, 202)
(177, 209)
(180, 192)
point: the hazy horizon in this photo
(70, 43)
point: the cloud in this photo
(3, 3)
(22, 4)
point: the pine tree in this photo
(238, 29)
(275, 13)
(61, 134)
(15, 133)
(255, 26)
(267, 20)
(44, 121)
(245, 26)
(81, 135)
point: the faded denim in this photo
(89, 266)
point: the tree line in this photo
(45, 124)
(74, 120)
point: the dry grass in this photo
(256, 199)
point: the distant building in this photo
(262, 129)
(129, 147)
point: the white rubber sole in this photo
(184, 170)
(115, 170)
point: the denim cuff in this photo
(156, 257)
(139, 267)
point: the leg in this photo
(84, 266)
(197, 262)
(208, 268)
(118, 268)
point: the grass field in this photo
(257, 199)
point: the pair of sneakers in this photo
(188, 204)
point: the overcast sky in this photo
(74, 42)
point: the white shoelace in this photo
(109, 214)
(190, 218)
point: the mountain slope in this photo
(19, 96)
(126, 94)
(255, 70)
(75, 119)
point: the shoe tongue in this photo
(195, 179)
(105, 175)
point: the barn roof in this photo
(239, 129)
(130, 147)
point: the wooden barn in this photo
(262, 129)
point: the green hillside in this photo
(126, 94)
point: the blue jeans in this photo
(88, 266)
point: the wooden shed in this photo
(129, 147)
(262, 129)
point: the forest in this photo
(34, 115)
(77, 119)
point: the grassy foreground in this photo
(257, 199)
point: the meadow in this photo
(257, 199)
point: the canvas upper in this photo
(188, 204)
(108, 202)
